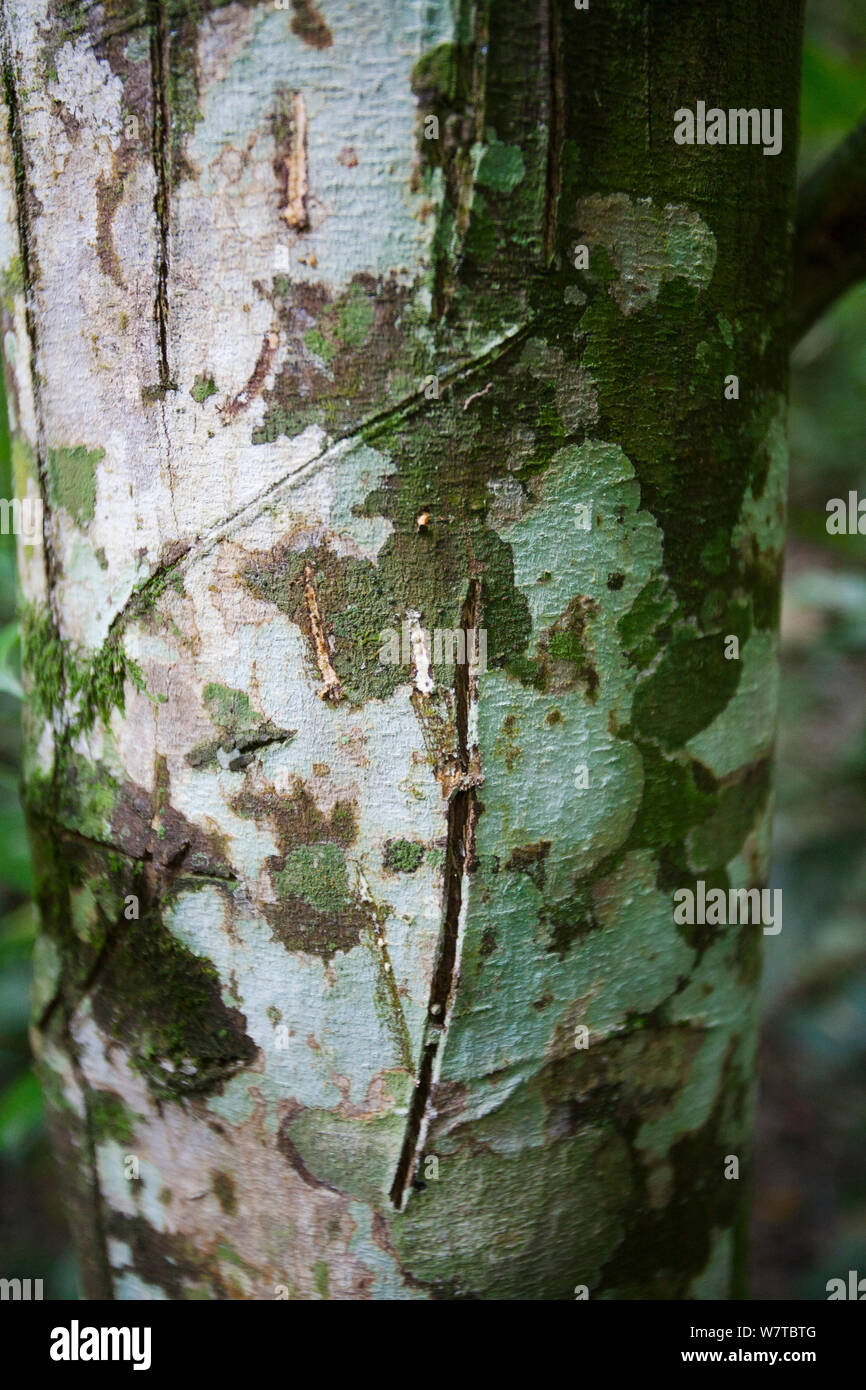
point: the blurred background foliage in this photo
(810, 1185)
(810, 1209)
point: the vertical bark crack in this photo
(648, 52)
(462, 814)
(161, 136)
(555, 127)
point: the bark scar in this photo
(380, 915)
(264, 362)
(162, 196)
(295, 165)
(331, 690)
(476, 395)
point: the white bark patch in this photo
(419, 644)
(90, 91)
(270, 1233)
(172, 469)
(357, 222)
(373, 758)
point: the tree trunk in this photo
(360, 976)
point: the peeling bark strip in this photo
(264, 363)
(346, 953)
(477, 395)
(331, 689)
(295, 163)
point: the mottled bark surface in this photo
(377, 902)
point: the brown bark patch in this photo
(299, 926)
(256, 381)
(309, 25)
(297, 819)
(529, 859)
(290, 1152)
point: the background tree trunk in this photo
(298, 355)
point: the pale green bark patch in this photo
(500, 167)
(646, 245)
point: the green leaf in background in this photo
(21, 1115)
(16, 869)
(17, 934)
(9, 682)
(834, 92)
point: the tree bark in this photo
(359, 975)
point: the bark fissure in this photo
(161, 137)
(462, 814)
(253, 387)
(648, 23)
(556, 125)
(464, 127)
